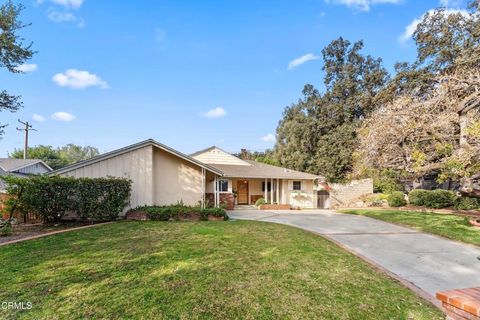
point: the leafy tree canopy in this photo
(13, 52)
(58, 157)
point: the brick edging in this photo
(53, 233)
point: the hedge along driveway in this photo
(198, 270)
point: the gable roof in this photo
(12, 165)
(134, 147)
(262, 170)
(215, 155)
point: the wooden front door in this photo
(242, 191)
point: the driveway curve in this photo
(424, 261)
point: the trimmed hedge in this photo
(436, 199)
(51, 197)
(396, 199)
(417, 197)
(177, 212)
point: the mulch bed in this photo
(23, 231)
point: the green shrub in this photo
(396, 199)
(438, 199)
(177, 212)
(417, 197)
(51, 197)
(467, 203)
(260, 201)
(6, 228)
(387, 181)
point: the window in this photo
(297, 185)
(222, 185)
(269, 186)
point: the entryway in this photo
(323, 197)
(242, 192)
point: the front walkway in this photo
(429, 262)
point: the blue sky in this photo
(189, 74)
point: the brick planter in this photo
(461, 304)
(225, 198)
(274, 207)
(475, 222)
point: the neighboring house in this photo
(161, 176)
(21, 168)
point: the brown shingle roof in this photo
(262, 170)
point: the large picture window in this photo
(269, 186)
(297, 185)
(222, 185)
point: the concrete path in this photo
(429, 262)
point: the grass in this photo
(445, 225)
(198, 270)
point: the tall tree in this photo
(13, 52)
(318, 133)
(58, 157)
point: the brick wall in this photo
(348, 194)
(225, 198)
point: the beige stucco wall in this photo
(175, 180)
(135, 165)
(308, 197)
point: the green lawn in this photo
(199, 270)
(446, 225)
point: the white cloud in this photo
(27, 67)
(69, 4)
(363, 5)
(301, 60)
(215, 113)
(57, 16)
(450, 3)
(38, 118)
(63, 116)
(77, 79)
(268, 138)
(412, 27)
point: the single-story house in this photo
(21, 168)
(161, 176)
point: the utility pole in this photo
(27, 127)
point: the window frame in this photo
(219, 183)
(299, 185)
(269, 186)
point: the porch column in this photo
(265, 191)
(277, 188)
(271, 190)
(203, 188)
(215, 191)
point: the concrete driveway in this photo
(427, 262)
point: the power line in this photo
(27, 127)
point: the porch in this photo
(237, 191)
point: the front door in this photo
(242, 191)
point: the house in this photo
(21, 168)
(243, 182)
(161, 175)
